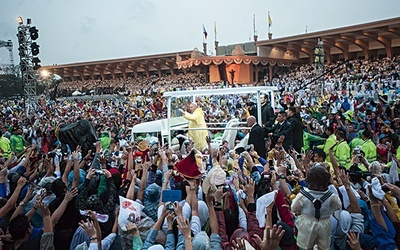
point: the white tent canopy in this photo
(76, 93)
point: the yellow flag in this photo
(269, 20)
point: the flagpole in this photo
(215, 31)
(254, 24)
(215, 39)
(203, 33)
(269, 25)
(255, 36)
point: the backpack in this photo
(317, 202)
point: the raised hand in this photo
(282, 169)
(22, 181)
(91, 173)
(43, 209)
(219, 194)
(177, 209)
(102, 160)
(271, 239)
(75, 155)
(249, 187)
(170, 219)
(146, 166)
(71, 194)
(238, 244)
(29, 195)
(133, 174)
(106, 173)
(89, 228)
(344, 178)
(307, 158)
(89, 154)
(184, 227)
(353, 240)
(132, 228)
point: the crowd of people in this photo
(132, 86)
(313, 170)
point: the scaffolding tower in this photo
(29, 64)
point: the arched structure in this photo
(364, 41)
(119, 68)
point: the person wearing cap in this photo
(196, 120)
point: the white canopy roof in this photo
(223, 91)
(76, 92)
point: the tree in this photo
(10, 86)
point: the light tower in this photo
(29, 62)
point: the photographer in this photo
(359, 159)
(103, 203)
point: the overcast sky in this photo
(88, 30)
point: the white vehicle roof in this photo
(159, 126)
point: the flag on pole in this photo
(269, 20)
(204, 32)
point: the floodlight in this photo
(20, 20)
